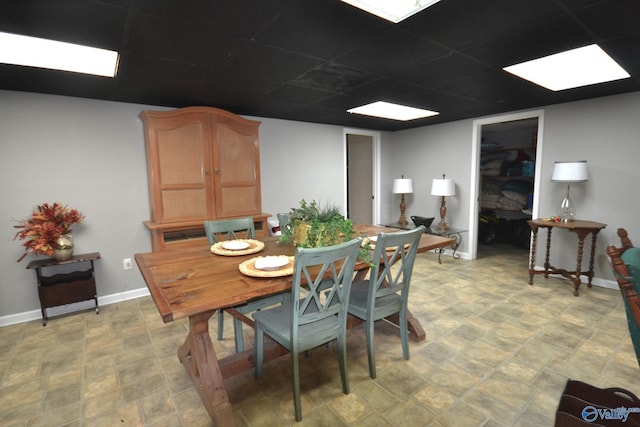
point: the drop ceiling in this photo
(311, 60)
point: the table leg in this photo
(532, 260)
(593, 254)
(576, 280)
(415, 328)
(547, 266)
(199, 359)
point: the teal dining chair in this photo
(316, 313)
(283, 221)
(386, 292)
(229, 229)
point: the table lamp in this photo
(402, 186)
(443, 187)
(575, 171)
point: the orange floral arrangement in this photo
(45, 226)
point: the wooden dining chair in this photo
(625, 263)
(386, 292)
(317, 311)
(230, 229)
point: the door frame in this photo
(474, 186)
(375, 178)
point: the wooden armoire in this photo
(203, 163)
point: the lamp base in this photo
(567, 210)
(442, 225)
(403, 206)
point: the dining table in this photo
(194, 282)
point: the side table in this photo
(582, 229)
(65, 288)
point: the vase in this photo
(64, 249)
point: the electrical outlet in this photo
(126, 264)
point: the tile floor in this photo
(497, 353)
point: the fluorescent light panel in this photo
(387, 110)
(42, 53)
(574, 68)
(392, 10)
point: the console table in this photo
(452, 233)
(66, 288)
(582, 230)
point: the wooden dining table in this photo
(193, 282)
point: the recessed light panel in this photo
(387, 110)
(42, 53)
(574, 68)
(392, 10)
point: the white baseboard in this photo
(28, 316)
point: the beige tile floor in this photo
(497, 353)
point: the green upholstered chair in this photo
(386, 292)
(316, 313)
(625, 262)
(229, 229)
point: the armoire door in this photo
(180, 167)
(236, 162)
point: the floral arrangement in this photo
(45, 226)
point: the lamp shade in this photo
(575, 171)
(443, 187)
(403, 186)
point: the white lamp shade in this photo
(443, 187)
(403, 186)
(575, 171)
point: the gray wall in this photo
(90, 155)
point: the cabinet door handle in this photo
(207, 171)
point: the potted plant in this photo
(48, 231)
(313, 226)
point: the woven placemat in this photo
(254, 246)
(248, 268)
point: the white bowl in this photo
(271, 263)
(234, 245)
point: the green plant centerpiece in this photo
(312, 226)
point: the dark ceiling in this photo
(311, 60)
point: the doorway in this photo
(504, 188)
(362, 168)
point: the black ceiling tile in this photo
(158, 37)
(319, 28)
(609, 19)
(445, 69)
(296, 94)
(339, 102)
(459, 24)
(243, 18)
(95, 24)
(332, 77)
(522, 44)
(381, 89)
(256, 61)
(393, 51)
